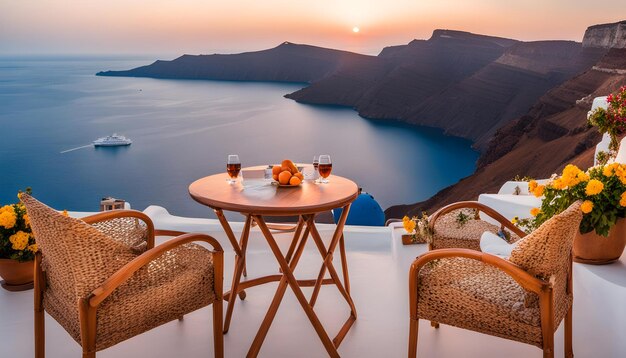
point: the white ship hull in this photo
(114, 140)
(110, 144)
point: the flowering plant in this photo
(16, 237)
(602, 190)
(418, 228)
(613, 119)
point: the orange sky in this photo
(167, 27)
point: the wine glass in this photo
(325, 167)
(316, 162)
(233, 166)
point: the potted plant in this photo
(602, 189)
(417, 230)
(613, 119)
(17, 247)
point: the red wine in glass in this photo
(233, 167)
(325, 167)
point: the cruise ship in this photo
(112, 141)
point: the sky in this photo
(170, 28)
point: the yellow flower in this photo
(535, 211)
(532, 185)
(514, 220)
(19, 240)
(65, 213)
(607, 171)
(594, 187)
(582, 176)
(405, 219)
(570, 176)
(7, 216)
(26, 220)
(586, 206)
(538, 192)
(409, 226)
(620, 172)
(559, 184)
(33, 248)
(571, 171)
(622, 200)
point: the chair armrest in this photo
(117, 214)
(504, 222)
(159, 232)
(123, 274)
(526, 280)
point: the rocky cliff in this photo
(606, 35)
(552, 134)
(468, 85)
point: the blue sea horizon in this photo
(182, 130)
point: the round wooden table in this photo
(260, 199)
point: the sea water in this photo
(51, 109)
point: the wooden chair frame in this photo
(544, 289)
(88, 306)
(479, 207)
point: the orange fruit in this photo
(285, 168)
(284, 177)
(295, 180)
(299, 175)
(289, 164)
(275, 177)
(276, 170)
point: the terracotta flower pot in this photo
(594, 249)
(408, 239)
(17, 276)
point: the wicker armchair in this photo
(448, 234)
(524, 298)
(102, 279)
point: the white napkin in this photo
(495, 245)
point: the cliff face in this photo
(552, 134)
(468, 85)
(505, 89)
(606, 35)
(405, 76)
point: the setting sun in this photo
(355, 29)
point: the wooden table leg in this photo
(296, 237)
(240, 261)
(327, 254)
(292, 282)
(328, 264)
(344, 263)
(278, 296)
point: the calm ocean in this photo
(183, 130)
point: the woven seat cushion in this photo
(175, 284)
(449, 234)
(470, 294)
